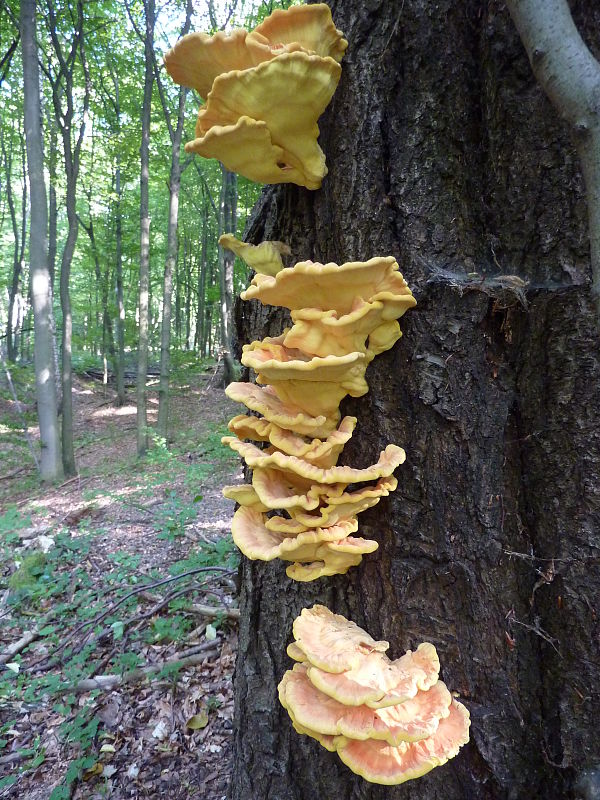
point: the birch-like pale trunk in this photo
(227, 224)
(570, 75)
(41, 289)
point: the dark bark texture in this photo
(444, 152)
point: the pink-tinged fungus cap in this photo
(379, 762)
(415, 719)
(332, 642)
(378, 682)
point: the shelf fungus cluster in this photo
(264, 91)
(389, 721)
(301, 506)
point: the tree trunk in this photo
(63, 87)
(12, 318)
(202, 269)
(227, 224)
(170, 263)
(120, 320)
(187, 269)
(41, 289)
(52, 203)
(444, 152)
(143, 302)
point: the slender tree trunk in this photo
(11, 327)
(41, 289)
(187, 266)
(52, 203)
(68, 453)
(103, 281)
(63, 85)
(53, 239)
(144, 292)
(227, 224)
(444, 152)
(570, 76)
(120, 319)
(202, 269)
(170, 262)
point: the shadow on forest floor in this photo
(117, 619)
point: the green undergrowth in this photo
(98, 611)
(88, 622)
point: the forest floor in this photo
(125, 578)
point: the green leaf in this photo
(117, 629)
(198, 721)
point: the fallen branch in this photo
(11, 758)
(212, 612)
(13, 473)
(215, 611)
(109, 682)
(113, 606)
(12, 649)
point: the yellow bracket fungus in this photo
(264, 257)
(322, 453)
(264, 91)
(389, 721)
(342, 317)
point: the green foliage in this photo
(30, 570)
(80, 615)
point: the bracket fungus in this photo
(300, 501)
(264, 92)
(411, 724)
(265, 257)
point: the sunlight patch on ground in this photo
(113, 411)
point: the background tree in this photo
(443, 151)
(41, 289)
(62, 80)
(175, 135)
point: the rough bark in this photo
(41, 289)
(570, 76)
(443, 151)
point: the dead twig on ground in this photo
(113, 607)
(15, 648)
(109, 682)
